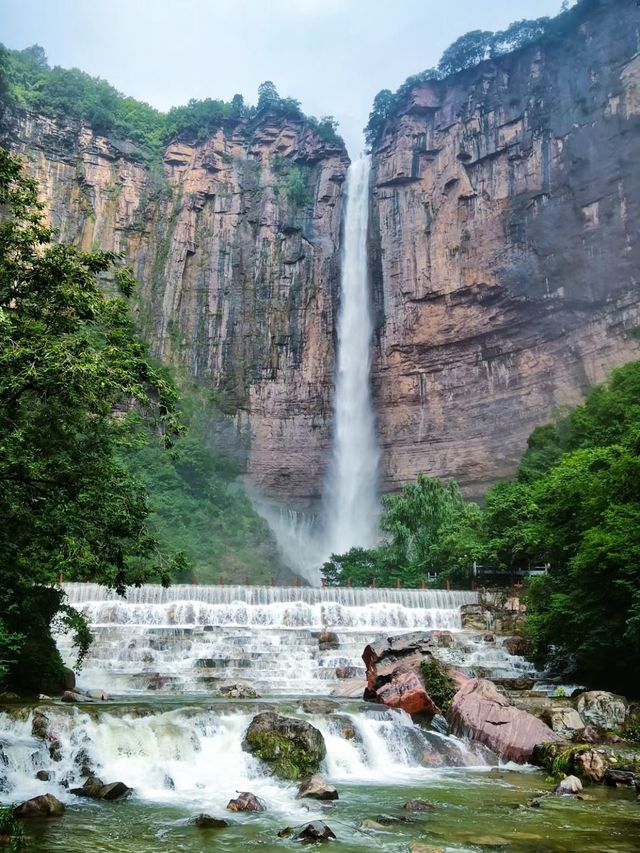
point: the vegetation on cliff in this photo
(27, 81)
(97, 479)
(574, 504)
(468, 51)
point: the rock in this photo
(318, 706)
(317, 788)
(614, 777)
(328, 640)
(480, 712)
(206, 821)
(521, 682)
(317, 830)
(246, 802)
(95, 790)
(490, 842)
(563, 720)
(474, 617)
(292, 748)
(39, 725)
(418, 847)
(99, 695)
(55, 750)
(590, 764)
(439, 724)
(43, 775)
(407, 692)
(46, 805)
(390, 820)
(601, 709)
(518, 646)
(419, 806)
(74, 696)
(238, 691)
(287, 832)
(69, 679)
(373, 824)
(346, 672)
(569, 785)
(350, 688)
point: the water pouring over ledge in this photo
(351, 491)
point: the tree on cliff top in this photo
(72, 379)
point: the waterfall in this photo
(192, 639)
(351, 499)
(193, 757)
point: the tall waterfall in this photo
(351, 500)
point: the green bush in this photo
(438, 684)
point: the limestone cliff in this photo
(504, 247)
(235, 241)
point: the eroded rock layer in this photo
(235, 241)
(504, 248)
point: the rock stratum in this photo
(502, 245)
(235, 241)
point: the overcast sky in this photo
(333, 55)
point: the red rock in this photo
(479, 711)
(406, 691)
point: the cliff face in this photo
(504, 248)
(236, 244)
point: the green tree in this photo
(465, 52)
(74, 385)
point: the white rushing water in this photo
(194, 757)
(195, 638)
(351, 499)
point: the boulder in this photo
(439, 724)
(613, 778)
(474, 617)
(563, 719)
(327, 641)
(419, 806)
(601, 709)
(238, 691)
(69, 679)
(518, 646)
(43, 776)
(349, 688)
(317, 788)
(590, 764)
(46, 805)
(478, 711)
(39, 725)
(246, 802)
(74, 696)
(569, 785)
(419, 847)
(98, 694)
(317, 830)
(292, 748)
(374, 824)
(95, 790)
(393, 673)
(206, 821)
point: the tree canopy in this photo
(28, 81)
(574, 505)
(75, 385)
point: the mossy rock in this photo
(292, 748)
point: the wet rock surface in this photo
(46, 805)
(292, 748)
(246, 802)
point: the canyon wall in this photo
(504, 248)
(235, 241)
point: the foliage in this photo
(465, 52)
(427, 526)
(28, 81)
(13, 829)
(74, 384)
(199, 509)
(438, 684)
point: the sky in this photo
(332, 55)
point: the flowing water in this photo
(182, 754)
(352, 487)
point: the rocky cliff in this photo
(235, 241)
(504, 247)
